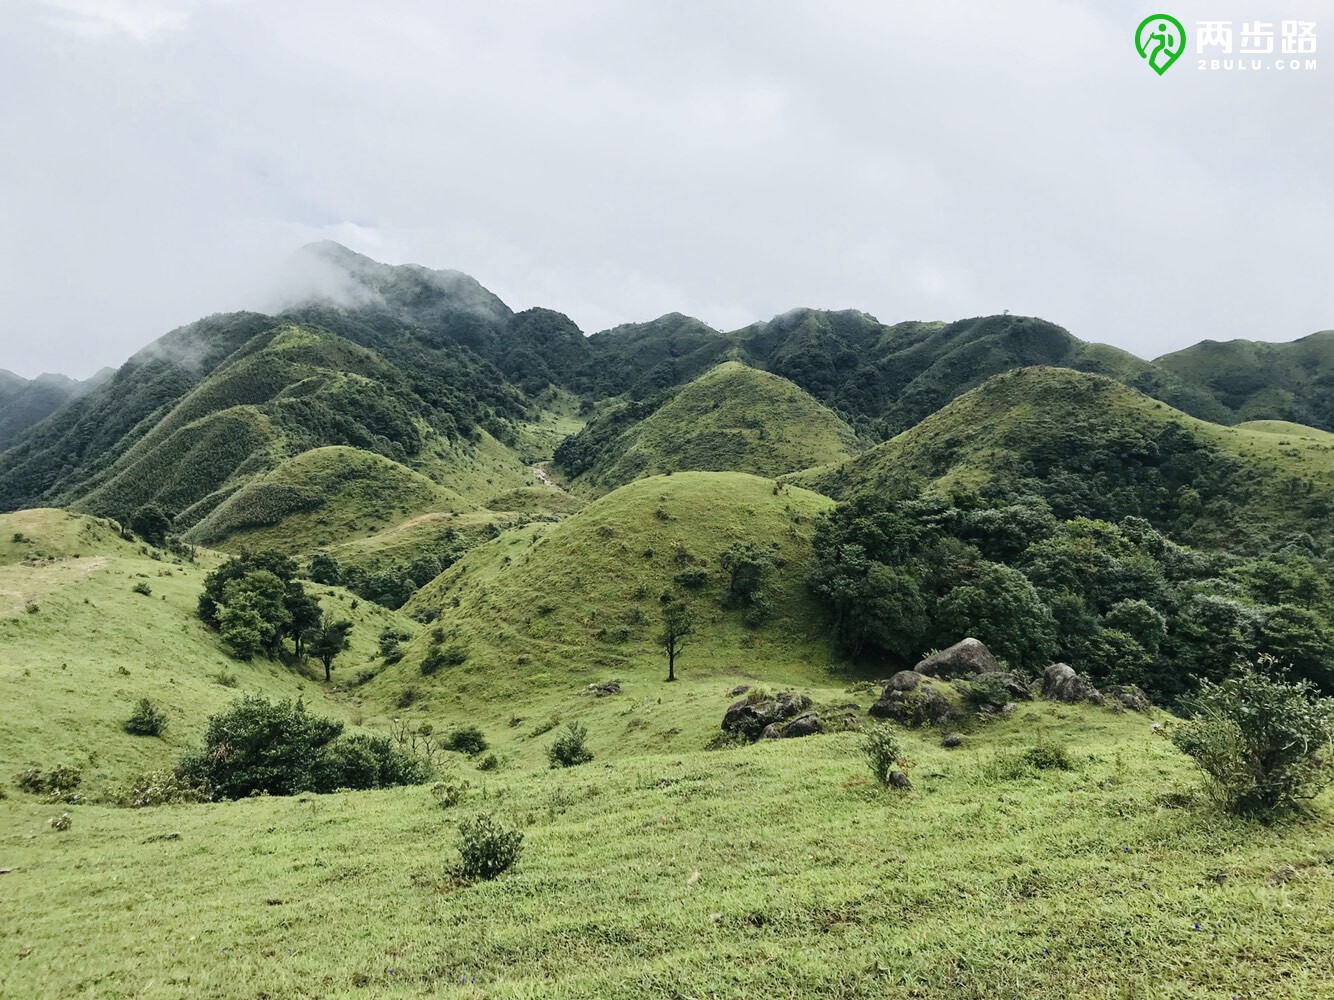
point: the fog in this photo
(619, 160)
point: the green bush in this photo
(1264, 744)
(142, 587)
(256, 746)
(487, 847)
(448, 794)
(57, 784)
(879, 744)
(61, 823)
(569, 749)
(694, 578)
(467, 739)
(161, 788)
(1048, 757)
(443, 656)
(146, 720)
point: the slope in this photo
(1253, 380)
(1093, 447)
(25, 403)
(732, 418)
(321, 497)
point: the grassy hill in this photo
(1252, 380)
(81, 647)
(732, 418)
(1094, 447)
(321, 497)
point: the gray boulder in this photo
(919, 706)
(750, 718)
(900, 779)
(1127, 696)
(605, 689)
(963, 659)
(1012, 683)
(806, 724)
(951, 740)
(904, 680)
(1060, 682)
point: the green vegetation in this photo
(732, 418)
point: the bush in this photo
(256, 746)
(487, 848)
(880, 746)
(983, 695)
(569, 749)
(162, 788)
(57, 785)
(446, 656)
(62, 822)
(146, 720)
(448, 794)
(1264, 744)
(489, 763)
(142, 587)
(1048, 757)
(694, 578)
(227, 679)
(468, 739)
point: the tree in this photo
(242, 627)
(326, 641)
(267, 596)
(303, 612)
(325, 569)
(151, 523)
(748, 567)
(678, 621)
(233, 569)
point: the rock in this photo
(963, 659)
(806, 724)
(1128, 695)
(951, 740)
(1010, 682)
(751, 718)
(1061, 683)
(904, 680)
(605, 689)
(923, 704)
(900, 779)
(739, 690)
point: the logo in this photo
(1160, 39)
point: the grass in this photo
(732, 418)
(322, 497)
(774, 870)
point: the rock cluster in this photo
(771, 718)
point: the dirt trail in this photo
(540, 474)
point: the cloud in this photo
(616, 160)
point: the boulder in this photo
(963, 659)
(806, 724)
(900, 779)
(1010, 682)
(739, 690)
(605, 689)
(921, 705)
(1128, 696)
(750, 718)
(1060, 682)
(951, 740)
(904, 680)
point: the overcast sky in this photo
(619, 160)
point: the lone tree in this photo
(678, 621)
(151, 523)
(326, 641)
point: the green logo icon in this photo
(1160, 39)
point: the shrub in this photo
(146, 720)
(1263, 743)
(161, 788)
(880, 746)
(57, 784)
(569, 749)
(983, 695)
(443, 656)
(142, 587)
(1048, 757)
(468, 739)
(256, 746)
(694, 578)
(489, 763)
(487, 847)
(448, 794)
(391, 645)
(227, 679)
(62, 822)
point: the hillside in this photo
(322, 497)
(732, 418)
(1253, 380)
(1093, 447)
(24, 403)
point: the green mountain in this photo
(732, 418)
(24, 403)
(1263, 381)
(1091, 447)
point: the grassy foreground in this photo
(772, 870)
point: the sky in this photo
(726, 159)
